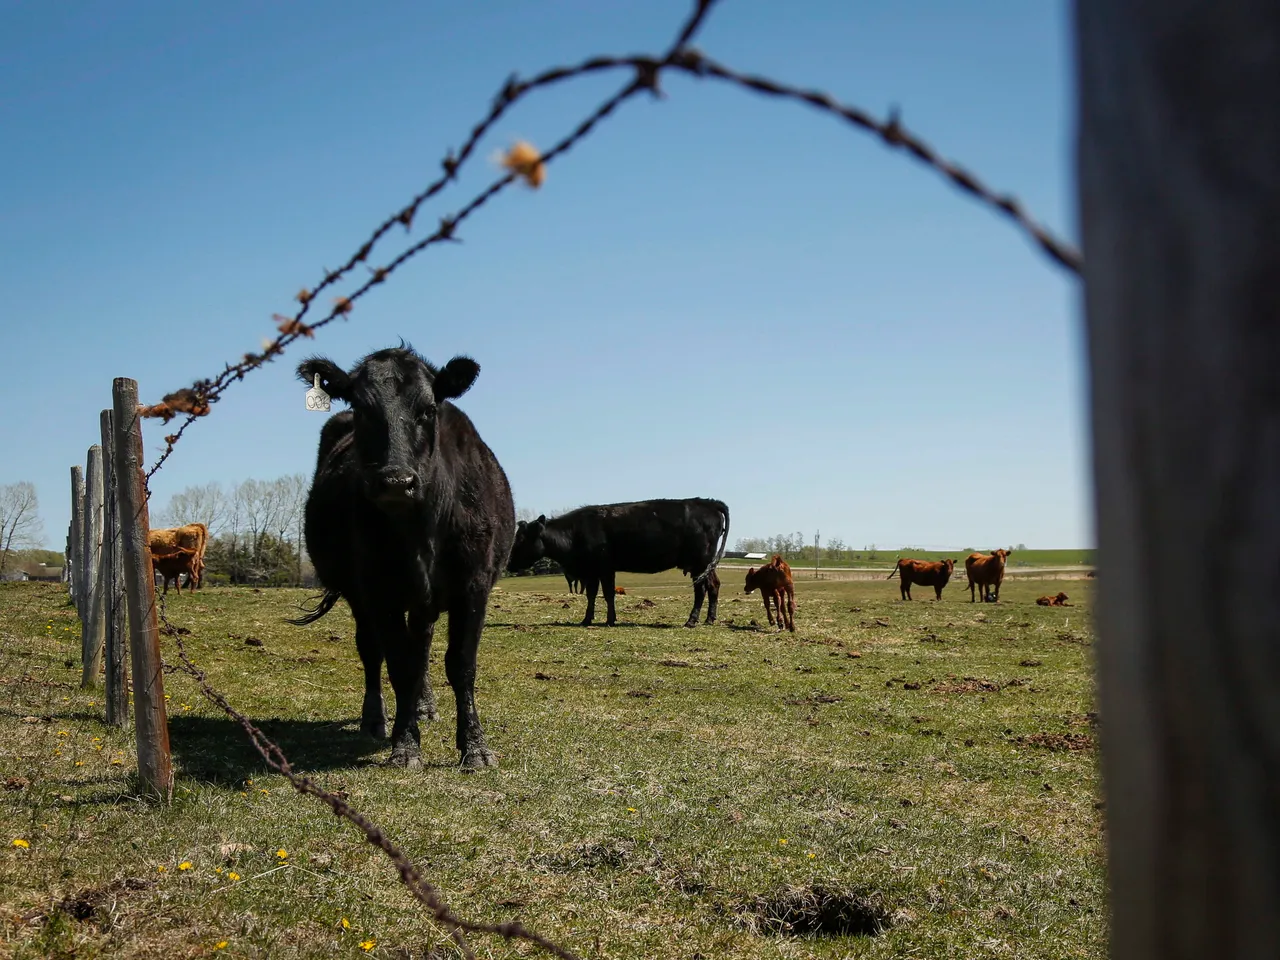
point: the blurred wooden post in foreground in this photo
(93, 627)
(150, 722)
(77, 535)
(113, 581)
(1179, 172)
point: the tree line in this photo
(255, 529)
(21, 530)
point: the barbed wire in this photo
(196, 401)
(274, 757)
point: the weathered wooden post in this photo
(113, 582)
(1178, 161)
(92, 627)
(150, 722)
(77, 536)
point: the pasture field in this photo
(921, 776)
(886, 558)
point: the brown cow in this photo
(986, 571)
(171, 564)
(1059, 601)
(774, 581)
(923, 572)
(192, 536)
(620, 591)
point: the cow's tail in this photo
(724, 542)
(896, 567)
(327, 601)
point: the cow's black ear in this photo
(455, 378)
(542, 520)
(333, 379)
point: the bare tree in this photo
(207, 504)
(291, 492)
(20, 524)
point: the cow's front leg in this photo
(591, 583)
(466, 623)
(406, 662)
(768, 608)
(607, 584)
(373, 714)
(422, 627)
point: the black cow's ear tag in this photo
(317, 399)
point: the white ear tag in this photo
(317, 399)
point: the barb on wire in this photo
(196, 401)
(422, 889)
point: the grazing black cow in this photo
(650, 536)
(409, 513)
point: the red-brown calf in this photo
(1059, 601)
(774, 581)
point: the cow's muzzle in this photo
(395, 486)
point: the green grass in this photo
(654, 783)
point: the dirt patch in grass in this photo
(968, 685)
(1058, 741)
(818, 911)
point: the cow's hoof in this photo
(477, 758)
(409, 758)
(377, 729)
(691, 622)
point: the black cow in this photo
(650, 536)
(409, 513)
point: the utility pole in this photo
(817, 559)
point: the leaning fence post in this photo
(112, 582)
(150, 723)
(92, 628)
(77, 527)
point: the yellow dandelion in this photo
(249, 781)
(243, 794)
(64, 733)
(233, 875)
(782, 840)
(97, 739)
(367, 945)
(185, 865)
(79, 763)
(282, 853)
(220, 945)
(19, 843)
(812, 855)
(93, 703)
(266, 791)
(524, 160)
(160, 869)
(117, 762)
(217, 869)
(186, 706)
(631, 809)
(345, 923)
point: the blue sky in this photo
(714, 295)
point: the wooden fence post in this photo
(92, 627)
(150, 722)
(113, 582)
(1178, 161)
(77, 535)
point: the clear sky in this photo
(715, 295)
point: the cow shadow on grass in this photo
(521, 627)
(217, 750)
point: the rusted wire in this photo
(196, 401)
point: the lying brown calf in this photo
(1059, 601)
(774, 581)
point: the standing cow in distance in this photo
(648, 536)
(409, 514)
(775, 583)
(986, 571)
(190, 536)
(923, 572)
